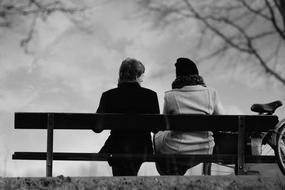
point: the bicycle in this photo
(275, 137)
(272, 141)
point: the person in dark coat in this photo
(128, 97)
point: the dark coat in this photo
(128, 98)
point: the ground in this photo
(153, 183)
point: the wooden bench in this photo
(241, 124)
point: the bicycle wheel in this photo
(280, 146)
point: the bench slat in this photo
(219, 158)
(137, 122)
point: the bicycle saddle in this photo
(266, 109)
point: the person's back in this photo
(128, 97)
(189, 95)
(194, 99)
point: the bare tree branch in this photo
(274, 55)
(280, 4)
(215, 30)
(262, 35)
(256, 12)
(241, 25)
(25, 42)
(249, 50)
(273, 19)
(33, 10)
(268, 69)
(217, 52)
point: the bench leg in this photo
(207, 168)
(50, 127)
(240, 164)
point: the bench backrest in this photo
(182, 122)
(151, 122)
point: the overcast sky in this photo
(70, 65)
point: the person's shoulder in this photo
(190, 89)
(211, 89)
(213, 92)
(169, 91)
(110, 91)
(147, 90)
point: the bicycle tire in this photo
(280, 146)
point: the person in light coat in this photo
(189, 95)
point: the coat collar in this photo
(129, 84)
(189, 88)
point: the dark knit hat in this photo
(185, 67)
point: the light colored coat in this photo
(195, 99)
